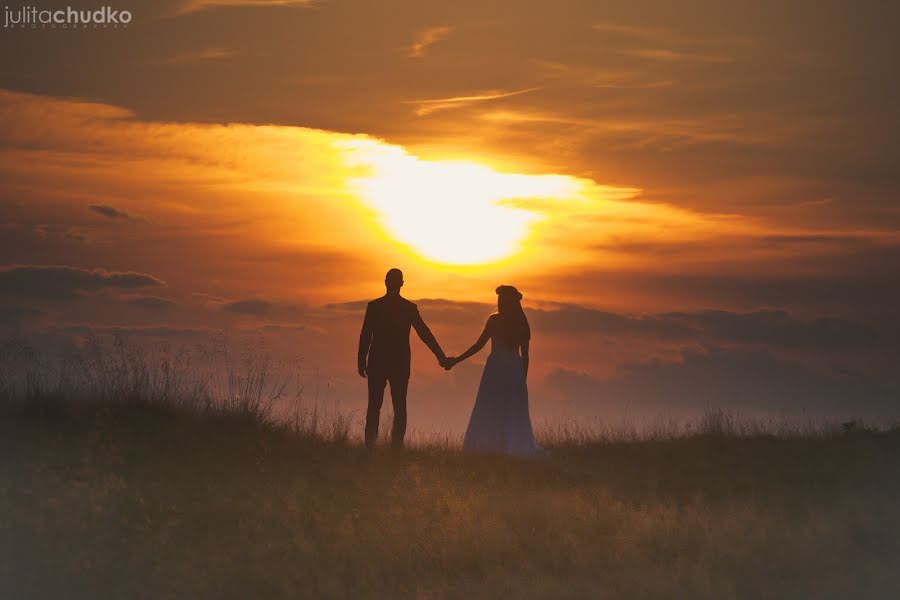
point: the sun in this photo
(451, 212)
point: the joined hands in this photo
(448, 362)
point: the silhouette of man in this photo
(384, 341)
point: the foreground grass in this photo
(134, 502)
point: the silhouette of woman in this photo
(500, 423)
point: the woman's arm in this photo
(524, 350)
(478, 345)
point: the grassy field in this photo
(147, 502)
(123, 481)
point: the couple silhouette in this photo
(500, 421)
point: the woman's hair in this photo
(513, 323)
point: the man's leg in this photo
(399, 385)
(377, 381)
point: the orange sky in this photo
(708, 190)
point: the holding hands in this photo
(448, 362)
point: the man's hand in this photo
(362, 371)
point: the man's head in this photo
(393, 281)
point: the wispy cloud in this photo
(197, 56)
(669, 45)
(660, 132)
(427, 38)
(662, 35)
(663, 55)
(109, 212)
(601, 78)
(62, 282)
(191, 6)
(426, 107)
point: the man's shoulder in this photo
(401, 301)
(407, 307)
(392, 302)
(381, 301)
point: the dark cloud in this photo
(863, 284)
(272, 328)
(752, 381)
(837, 240)
(253, 306)
(649, 247)
(353, 306)
(65, 282)
(760, 327)
(11, 315)
(160, 332)
(578, 319)
(438, 310)
(109, 211)
(778, 328)
(259, 307)
(153, 303)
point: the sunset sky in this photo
(699, 200)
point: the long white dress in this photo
(500, 423)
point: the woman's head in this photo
(509, 299)
(509, 305)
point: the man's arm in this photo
(524, 351)
(365, 340)
(426, 336)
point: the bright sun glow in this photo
(452, 212)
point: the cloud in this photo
(663, 55)
(65, 282)
(656, 132)
(749, 381)
(253, 306)
(259, 307)
(13, 315)
(427, 38)
(271, 328)
(778, 328)
(573, 319)
(198, 56)
(860, 282)
(601, 77)
(762, 327)
(664, 35)
(152, 303)
(793, 243)
(161, 332)
(109, 211)
(191, 6)
(636, 31)
(427, 107)
(64, 233)
(846, 240)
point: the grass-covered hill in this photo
(144, 502)
(117, 483)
